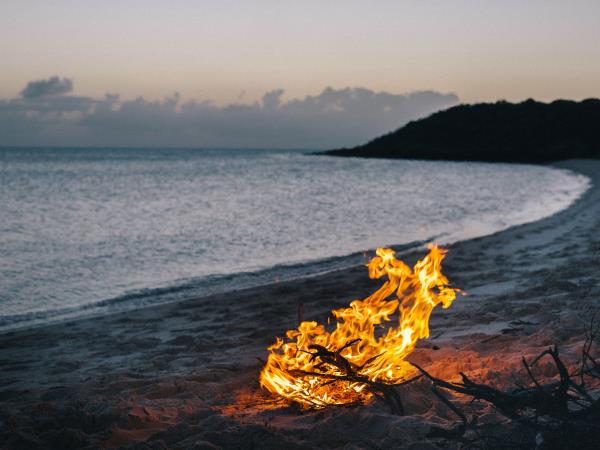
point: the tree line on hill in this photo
(527, 132)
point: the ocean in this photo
(94, 231)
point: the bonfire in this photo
(364, 352)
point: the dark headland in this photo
(527, 132)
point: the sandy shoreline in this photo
(184, 375)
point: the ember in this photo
(364, 352)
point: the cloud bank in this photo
(45, 115)
(51, 86)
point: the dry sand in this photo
(184, 375)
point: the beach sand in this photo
(185, 375)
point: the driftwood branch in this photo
(563, 409)
(351, 373)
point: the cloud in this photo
(43, 115)
(50, 86)
(272, 99)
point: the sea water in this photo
(92, 231)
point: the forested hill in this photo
(529, 131)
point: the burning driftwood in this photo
(351, 373)
(364, 354)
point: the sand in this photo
(184, 375)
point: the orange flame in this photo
(375, 350)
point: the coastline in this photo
(91, 283)
(186, 372)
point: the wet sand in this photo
(184, 375)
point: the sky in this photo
(231, 53)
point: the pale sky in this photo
(231, 51)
